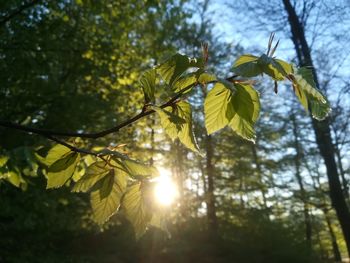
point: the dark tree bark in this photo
(321, 128)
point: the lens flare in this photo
(166, 190)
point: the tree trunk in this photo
(297, 163)
(341, 170)
(180, 180)
(321, 128)
(260, 175)
(335, 247)
(210, 200)
(317, 186)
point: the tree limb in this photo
(50, 133)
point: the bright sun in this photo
(165, 190)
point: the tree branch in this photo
(50, 134)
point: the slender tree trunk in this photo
(260, 175)
(335, 247)
(297, 163)
(321, 128)
(323, 251)
(341, 171)
(317, 186)
(210, 171)
(151, 161)
(180, 179)
(204, 179)
(210, 200)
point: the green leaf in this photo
(247, 66)
(140, 170)
(319, 110)
(175, 66)
(186, 135)
(170, 122)
(78, 174)
(94, 173)
(206, 77)
(305, 79)
(301, 96)
(246, 104)
(287, 67)
(14, 178)
(107, 184)
(148, 83)
(3, 160)
(218, 108)
(308, 94)
(106, 200)
(275, 68)
(4, 172)
(136, 210)
(61, 170)
(177, 123)
(191, 79)
(184, 82)
(55, 153)
(133, 168)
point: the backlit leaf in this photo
(218, 108)
(177, 123)
(62, 169)
(148, 82)
(206, 77)
(246, 105)
(3, 160)
(275, 68)
(170, 122)
(140, 170)
(186, 135)
(247, 66)
(136, 210)
(107, 184)
(106, 200)
(175, 66)
(94, 173)
(14, 178)
(132, 167)
(184, 82)
(308, 94)
(55, 153)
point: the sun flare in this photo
(166, 190)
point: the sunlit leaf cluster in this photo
(117, 183)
